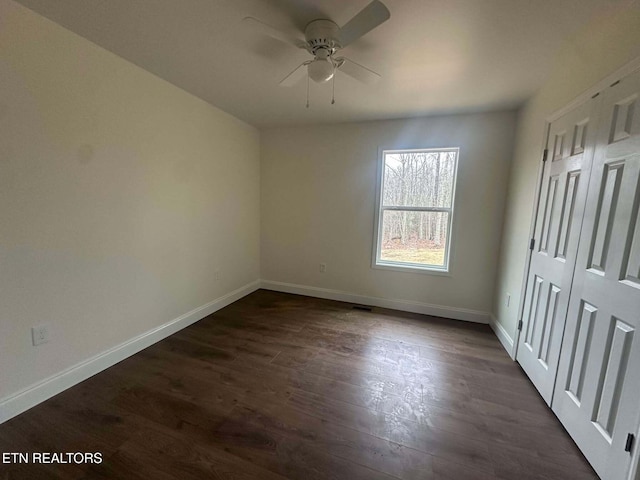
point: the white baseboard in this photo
(503, 335)
(41, 391)
(403, 305)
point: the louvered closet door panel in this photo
(560, 210)
(597, 394)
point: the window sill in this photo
(411, 268)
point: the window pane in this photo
(414, 237)
(419, 179)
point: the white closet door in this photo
(559, 216)
(597, 394)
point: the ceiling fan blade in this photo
(357, 71)
(272, 32)
(295, 76)
(369, 18)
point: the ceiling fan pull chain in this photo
(307, 90)
(333, 86)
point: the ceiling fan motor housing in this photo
(322, 34)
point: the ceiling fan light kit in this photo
(322, 68)
(323, 39)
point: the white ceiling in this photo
(435, 56)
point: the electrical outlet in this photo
(216, 275)
(323, 267)
(507, 302)
(40, 334)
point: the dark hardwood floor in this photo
(281, 386)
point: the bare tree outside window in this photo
(416, 208)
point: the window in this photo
(415, 209)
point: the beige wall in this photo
(120, 196)
(318, 195)
(599, 49)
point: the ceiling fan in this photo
(323, 39)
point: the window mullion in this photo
(415, 209)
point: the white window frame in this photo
(377, 262)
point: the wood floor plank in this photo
(446, 470)
(437, 372)
(458, 448)
(236, 347)
(360, 372)
(199, 420)
(278, 386)
(124, 464)
(286, 456)
(367, 450)
(188, 459)
(514, 462)
(193, 349)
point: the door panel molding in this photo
(557, 232)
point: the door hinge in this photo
(629, 443)
(532, 243)
(520, 325)
(545, 154)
